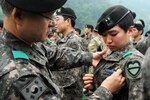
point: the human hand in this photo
(97, 57)
(88, 81)
(114, 82)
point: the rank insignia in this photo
(133, 69)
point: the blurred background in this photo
(88, 11)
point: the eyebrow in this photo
(111, 31)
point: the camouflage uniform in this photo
(25, 70)
(71, 80)
(146, 76)
(143, 45)
(129, 60)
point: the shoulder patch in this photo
(126, 54)
(133, 69)
(19, 54)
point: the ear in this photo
(17, 15)
(131, 30)
(68, 20)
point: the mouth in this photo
(110, 46)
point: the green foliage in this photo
(88, 11)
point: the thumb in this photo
(103, 52)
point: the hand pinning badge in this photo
(133, 69)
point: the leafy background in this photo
(88, 11)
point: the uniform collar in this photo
(34, 52)
(117, 55)
(65, 39)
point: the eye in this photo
(113, 33)
(104, 34)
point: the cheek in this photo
(104, 39)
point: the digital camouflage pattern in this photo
(70, 80)
(101, 93)
(129, 60)
(146, 75)
(143, 45)
(30, 79)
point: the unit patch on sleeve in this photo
(133, 69)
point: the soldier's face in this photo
(136, 33)
(60, 24)
(87, 30)
(34, 27)
(116, 38)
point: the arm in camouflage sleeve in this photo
(101, 93)
(133, 75)
(146, 76)
(65, 58)
(110, 85)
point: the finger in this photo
(88, 75)
(88, 82)
(88, 86)
(103, 52)
(118, 72)
(123, 80)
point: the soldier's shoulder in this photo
(134, 54)
(74, 37)
(12, 63)
(133, 65)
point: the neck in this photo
(67, 31)
(138, 38)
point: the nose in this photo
(108, 39)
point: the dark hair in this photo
(143, 23)
(138, 26)
(72, 21)
(90, 27)
(126, 22)
(78, 30)
(67, 13)
(6, 7)
(133, 14)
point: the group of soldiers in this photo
(69, 67)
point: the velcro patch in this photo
(34, 89)
(133, 69)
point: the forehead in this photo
(114, 29)
(59, 16)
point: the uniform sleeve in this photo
(143, 45)
(65, 58)
(133, 74)
(74, 44)
(146, 75)
(29, 87)
(101, 93)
